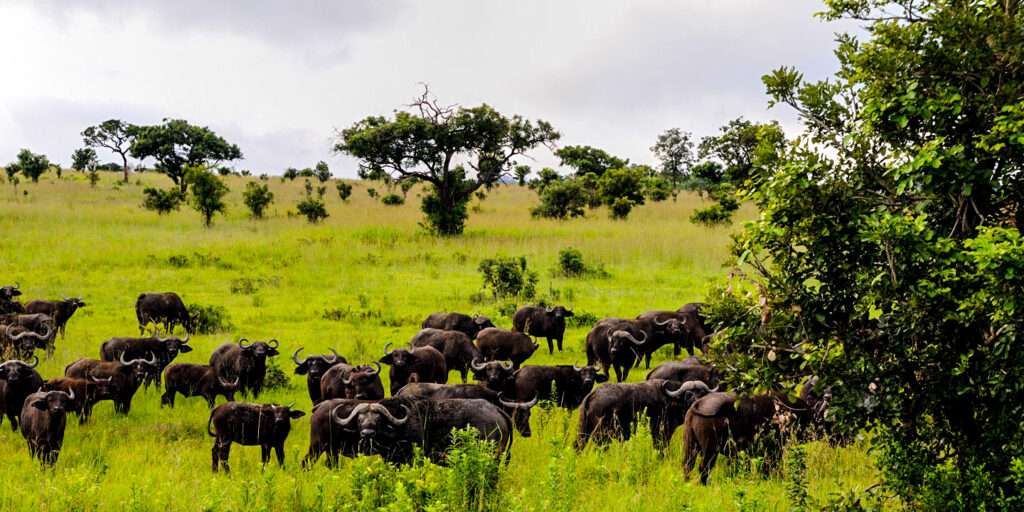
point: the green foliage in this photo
(675, 150)
(309, 188)
(620, 209)
(94, 178)
(708, 172)
(208, 192)
(657, 189)
(344, 190)
(322, 172)
(522, 172)
(290, 174)
(392, 200)
(211, 320)
(744, 146)
(276, 377)
(508, 277)
(714, 215)
(621, 190)
(84, 159)
(314, 209)
(545, 177)
(473, 473)
(160, 201)
(588, 159)
(257, 198)
(30, 164)
(178, 146)
(796, 490)
(571, 264)
(112, 134)
(561, 200)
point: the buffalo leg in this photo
(690, 449)
(211, 400)
(618, 373)
(86, 413)
(279, 451)
(221, 452)
(551, 346)
(264, 454)
(709, 452)
(14, 421)
(559, 340)
(167, 398)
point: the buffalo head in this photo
(315, 366)
(520, 413)
(362, 383)
(403, 358)
(369, 420)
(255, 353)
(10, 292)
(173, 345)
(624, 342)
(494, 374)
(671, 327)
(15, 371)
(137, 369)
(689, 392)
(588, 375)
(101, 389)
(55, 401)
(558, 312)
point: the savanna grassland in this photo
(366, 276)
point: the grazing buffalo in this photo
(615, 343)
(499, 344)
(314, 367)
(696, 329)
(519, 411)
(9, 305)
(496, 375)
(18, 380)
(86, 391)
(245, 362)
(247, 424)
(465, 324)
(165, 350)
(394, 426)
(423, 364)
(355, 382)
(43, 417)
(458, 350)
(542, 322)
(126, 376)
(166, 308)
(564, 384)
(328, 437)
(196, 380)
(685, 371)
(59, 310)
(662, 328)
(21, 342)
(38, 323)
(727, 423)
(610, 411)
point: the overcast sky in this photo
(277, 78)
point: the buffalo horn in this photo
(108, 379)
(576, 366)
(387, 414)
(71, 395)
(295, 356)
(371, 373)
(188, 336)
(476, 367)
(549, 309)
(36, 363)
(290, 405)
(522, 406)
(17, 285)
(355, 412)
(122, 359)
(636, 341)
(508, 365)
(335, 358)
(223, 382)
(242, 345)
(273, 343)
(386, 351)
(656, 322)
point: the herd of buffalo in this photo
(353, 415)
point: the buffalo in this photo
(496, 375)
(616, 343)
(458, 350)
(22, 342)
(314, 367)
(566, 385)
(59, 310)
(424, 364)
(44, 417)
(470, 326)
(37, 323)
(542, 322)
(126, 376)
(166, 308)
(18, 380)
(696, 329)
(355, 382)
(87, 392)
(519, 411)
(610, 411)
(662, 328)
(9, 305)
(326, 436)
(196, 380)
(247, 424)
(165, 350)
(685, 371)
(246, 362)
(500, 344)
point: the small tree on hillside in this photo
(208, 192)
(114, 135)
(160, 201)
(30, 164)
(322, 172)
(522, 172)
(314, 209)
(621, 190)
(257, 197)
(344, 190)
(84, 159)
(561, 199)
(675, 150)
(12, 177)
(178, 146)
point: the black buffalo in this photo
(422, 364)
(196, 380)
(566, 385)
(542, 322)
(8, 303)
(245, 362)
(18, 380)
(126, 376)
(328, 437)
(21, 342)
(59, 310)
(519, 411)
(43, 417)
(166, 308)
(458, 350)
(617, 344)
(496, 375)
(500, 344)
(38, 323)
(247, 424)
(165, 350)
(696, 328)
(466, 324)
(87, 393)
(314, 367)
(355, 382)
(685, 371)
(662, 328)
(611, 411)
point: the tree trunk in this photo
(125, 167)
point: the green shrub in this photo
(392, 200)
(211, 320)
(508, 277)
(620, 208)
(581, 319)
(560, 200)
(344, 190)
(160, 201)
(570, 262)
(276, 378)
(657, 189)
(257, 197)
(714, 215)
(314, 209)
(473, 472)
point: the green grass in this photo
(278, 276)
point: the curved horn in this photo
(241, 345)
(570, 309)
(36, 363)
(718, 384)
(634, 340)
(576, 366)
(386, 351)
(387, 414)
(599, 367)
(523, 406)
(355, 412)
(371, 373)
(290, 405)
(44, 336)
(17, 285)
(237, 380)
(223, 382)
(549, 309)
(273, 343)
(188, 336)
(336, 356)
(476, 367)
(152, 359)
(295, 356)
(656, 322)
(122, 359)
(71, 396)
(507, 366)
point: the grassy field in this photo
(377, 275)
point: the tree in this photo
(208, 192)
(344, 190)
(708, 172)
(620, 190)
(257, 197)
(30, 164)
(560, 200)
(114, 135)
(545, 177)
(675, 150)
(177, 146)
(587, 159)
(290, 173)
(160, 201)
(522, 171)
(742, 146)
(322, 172)
(314, 209)
(84, 159)
(426, 141)
(887, 254)
(12, 176)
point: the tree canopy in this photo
(32, 165)
(589, 159)
(675, 150)
(177, 145)
(112, 134)
(742, 145)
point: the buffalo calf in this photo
(43, 417)
(247, 424)
(195, 380)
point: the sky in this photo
(279, 78)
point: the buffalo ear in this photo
(388, 359)
(302, 369)
(39, 404)
(185, 349)
(296, 414)
(272, 352)
(601, 378)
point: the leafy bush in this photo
(620, 190)
(314, 209)
(208, 192)
(372, 192)
(344, 190)
(560, 200)
(581, 319)
(508, 277)
(714, 215)
(657, 189)
(322, 172)
(211, 320)
(257, 197)
(392, 200)
(441, 219)
(473, 471)
(571, 264)
(621, 207)
(94, 178)
(161, 201)
(276, 378)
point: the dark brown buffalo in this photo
(355, 382)
(458, 350)
(727, 423)
(43, 417)
(327, 437)
(245, 362)
(499, 344)
(685, 371)
(610, 411)
(165, 350)
(617, 343)
(166, 308)
(87, 392)
(247, 424)
(566, 385)
(9, 305)
(38, 323)
(20, 342)
(394, 426)
(542, 322)
(126, 376)
(496, 375)
(663, 328)
(314, 367)
(469, 326)
(424, 364)
(196, 380)
(696, 328)
(18, 380)
(59, 310)
(519, 411)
